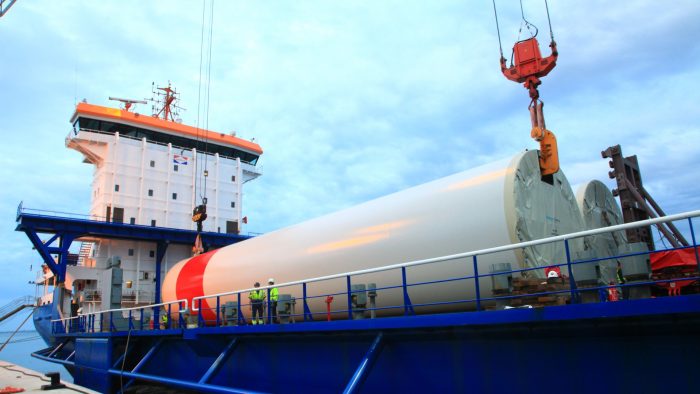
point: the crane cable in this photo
(15, 332)
(197, 185)
(527, 25)
(549, 21)
(203, 104)
(206, 128)
(498, 30)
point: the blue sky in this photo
(350, 100)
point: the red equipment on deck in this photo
(674, 264)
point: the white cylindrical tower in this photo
(496, 204)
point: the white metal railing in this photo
(504, 248)
(564, 237)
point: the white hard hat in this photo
(271, 280)
(552, 274)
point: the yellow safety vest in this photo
(257, 295)
(274, 294)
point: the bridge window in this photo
(116, 188)
(150, 192)
(155, 136)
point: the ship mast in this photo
(166, 103)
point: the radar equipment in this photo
(128, 102)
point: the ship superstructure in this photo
(151, 171)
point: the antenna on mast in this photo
(128, 102)
(166, 103)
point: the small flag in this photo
(180, 159)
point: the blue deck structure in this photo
(65, 230)
(635, 345)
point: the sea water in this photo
(19, 350)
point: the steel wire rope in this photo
(44, 379)
(527, 23)
(126, 349)
(206, 129)
(28, 339)
(661, 238)
(198, 178)
(520, 29)
(15, 332)
(498, 30)
(549, 21)
(8, 367)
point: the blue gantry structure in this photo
(584, 343)
(66, 229)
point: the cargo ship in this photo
(500, 278)
(494, 271)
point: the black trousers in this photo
(274, 311)
(257, 308)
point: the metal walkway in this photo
(16, 305)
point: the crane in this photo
(527, 67)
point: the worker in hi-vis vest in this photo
(163, 318)
(274, 296)
(256, 298)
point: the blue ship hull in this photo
(637, 346)
(42, 316)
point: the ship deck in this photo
(587, 343)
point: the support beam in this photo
(147, 357)
(661, 212)
(65, 243)
(46, 251)
(205, 388)
(363, 370)
(161, 248)
(59, 272)
(216, 365)
(651, 213)
(50, 240)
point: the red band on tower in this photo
(190, 283)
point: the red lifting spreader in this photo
(527, 68)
